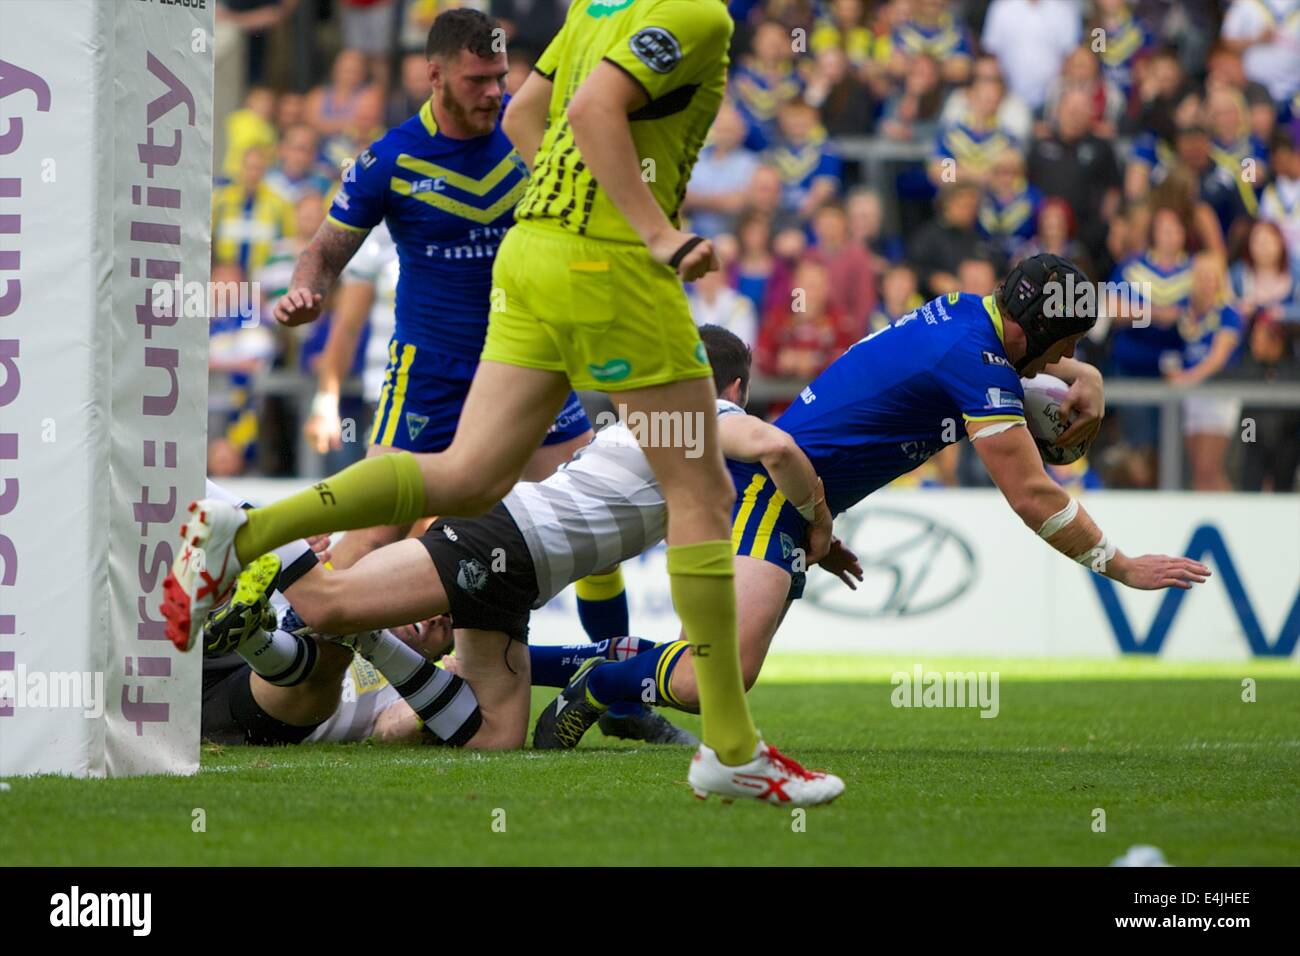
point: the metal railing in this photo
(298, 389)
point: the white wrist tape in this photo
(997, 428)
(1098, 557)
(325, 405)
(808, 510)
(1059, 520)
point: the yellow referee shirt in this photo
(675, 50)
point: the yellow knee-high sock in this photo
(384, 490)
(703, 583)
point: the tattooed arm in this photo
(317, 270)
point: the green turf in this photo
(1170, 752)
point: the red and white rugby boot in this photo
(205, 571)
(771, 777)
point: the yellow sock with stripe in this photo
(702, 577)
(385, 490)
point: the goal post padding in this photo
(105, 190)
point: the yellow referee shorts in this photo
(603, 313)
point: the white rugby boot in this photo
(205, 571)
(770, 777)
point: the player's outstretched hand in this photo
(842, 563)
(695, 262)
(298, 307)
(325, 432)
(1087, 400)
(1152, 572)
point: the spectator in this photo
(1077, 165)
(1265, 278)
(1054, 234)
(298, 170)
(1220, 188)
(1233, 148)
(932, 32)
(365, 126)
(239, 348)
(1161, 281)
(255, 19)
(369, 27)
(850, 267)
(941, 244)
(1126, 40)
(248, 217)
(414, 91)
(248, 128)
(977, 276)
(713, 302)
(290, 110)
(898, 296)
(752, 271)
(719, 186)
(767, 195)
(1225, 70)
(1031, 39)
(1009, 207)
(811, 170)
(1272, 455)
(844, 101)
(1280, 203)
(1013, 115)
(844, 30)
(965, 150)
(1163, 100)
(764, 80)
(866, 218)
(1267, 35)
(530, 24)
(1082, 71)
(332, 108)
(806, 334)
(911, 114)
(1211, 332)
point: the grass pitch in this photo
(1171, 753)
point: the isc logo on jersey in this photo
(437, 185)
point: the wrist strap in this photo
(683, 251)
(325, 405)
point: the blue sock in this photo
(602, 605)
(631, 681)
(554, 666)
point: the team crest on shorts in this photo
(471, 576)
(787, 545)
(415, 424)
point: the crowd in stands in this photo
(869, 156)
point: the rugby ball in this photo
(1043, 396)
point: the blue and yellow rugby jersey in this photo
(1137, 351)
(676, 51)
(448, 202)
(973, 146)
(1125, 41)
(900, 395)
(943, 41)
(1198, 332)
